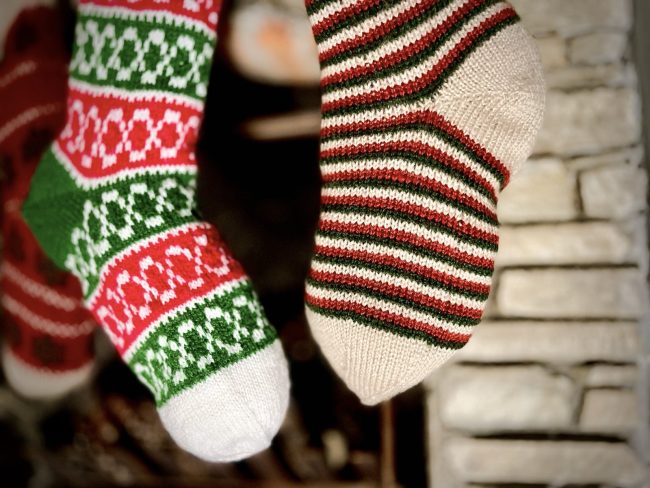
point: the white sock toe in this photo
(40, 384)
(235, 412)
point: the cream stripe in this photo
(416, 229)
(152, 16)
(411, 167)
(413, 136)
(403, 254)
(408, 75)
(402, 42)
(359, 30)
(18, 71)
(27, 117)
(37, 290)
(400, 281)
(410, 198)
(42, 324)
(386, 306)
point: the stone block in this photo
(553, 342)
(609, 376)
(553, 52)
(543, 190)
(573, 17)
(545, 462)
(573, 77)
(572, 293)
(610, 412)
(589, 121)
(613, 192)
(501, 399)
(598, 48)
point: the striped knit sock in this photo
(113, 201)
(429, 107)
(48, 332)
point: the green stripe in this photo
(416, 158)
(395, 33)
(72, 224)
(169, 360)
(386, 326)
(171, 66)
(398, 273)
(413, 189)
(414, 59)
(356, 19)
(384, 297)
(410, 218)
(392, 243)
(428, 129)
(429, 91)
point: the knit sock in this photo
(429, 107)
(113, 201)
(48, 347)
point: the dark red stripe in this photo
(429, 117)
(358, 7)
(402, 265)
(391, 318)
(410, 87)
(396, 292)
(405, 53)
(459, 226)
(406, 177)
(416, 148)
(408, 238)
(379, 31)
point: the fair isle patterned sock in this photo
(48, 333)
(429, 107)
(113, 202)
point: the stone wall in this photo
(551, 391)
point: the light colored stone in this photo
(584, 76)
(272, 44)
(598, 48)
(545, 462)
(573, 17)
(552, 50)
(570, 243)
(632, 156)
(488, 400)
(553, 342)
(613, 192)
(610, 412)
(572, 293)
(589, 121)
(606, 375)
(543, 190)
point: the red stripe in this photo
(406, 177)
(396, 292)
(459, 226)
(402, 265)
(408, 238)
(428, 117)
(101, 127)
(388, 317)
(337, 17)
(407, 88)
(416, 148)
(175, 7)
(406, 52)
(118, 302)
(379, 31)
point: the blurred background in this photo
(553, 389)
